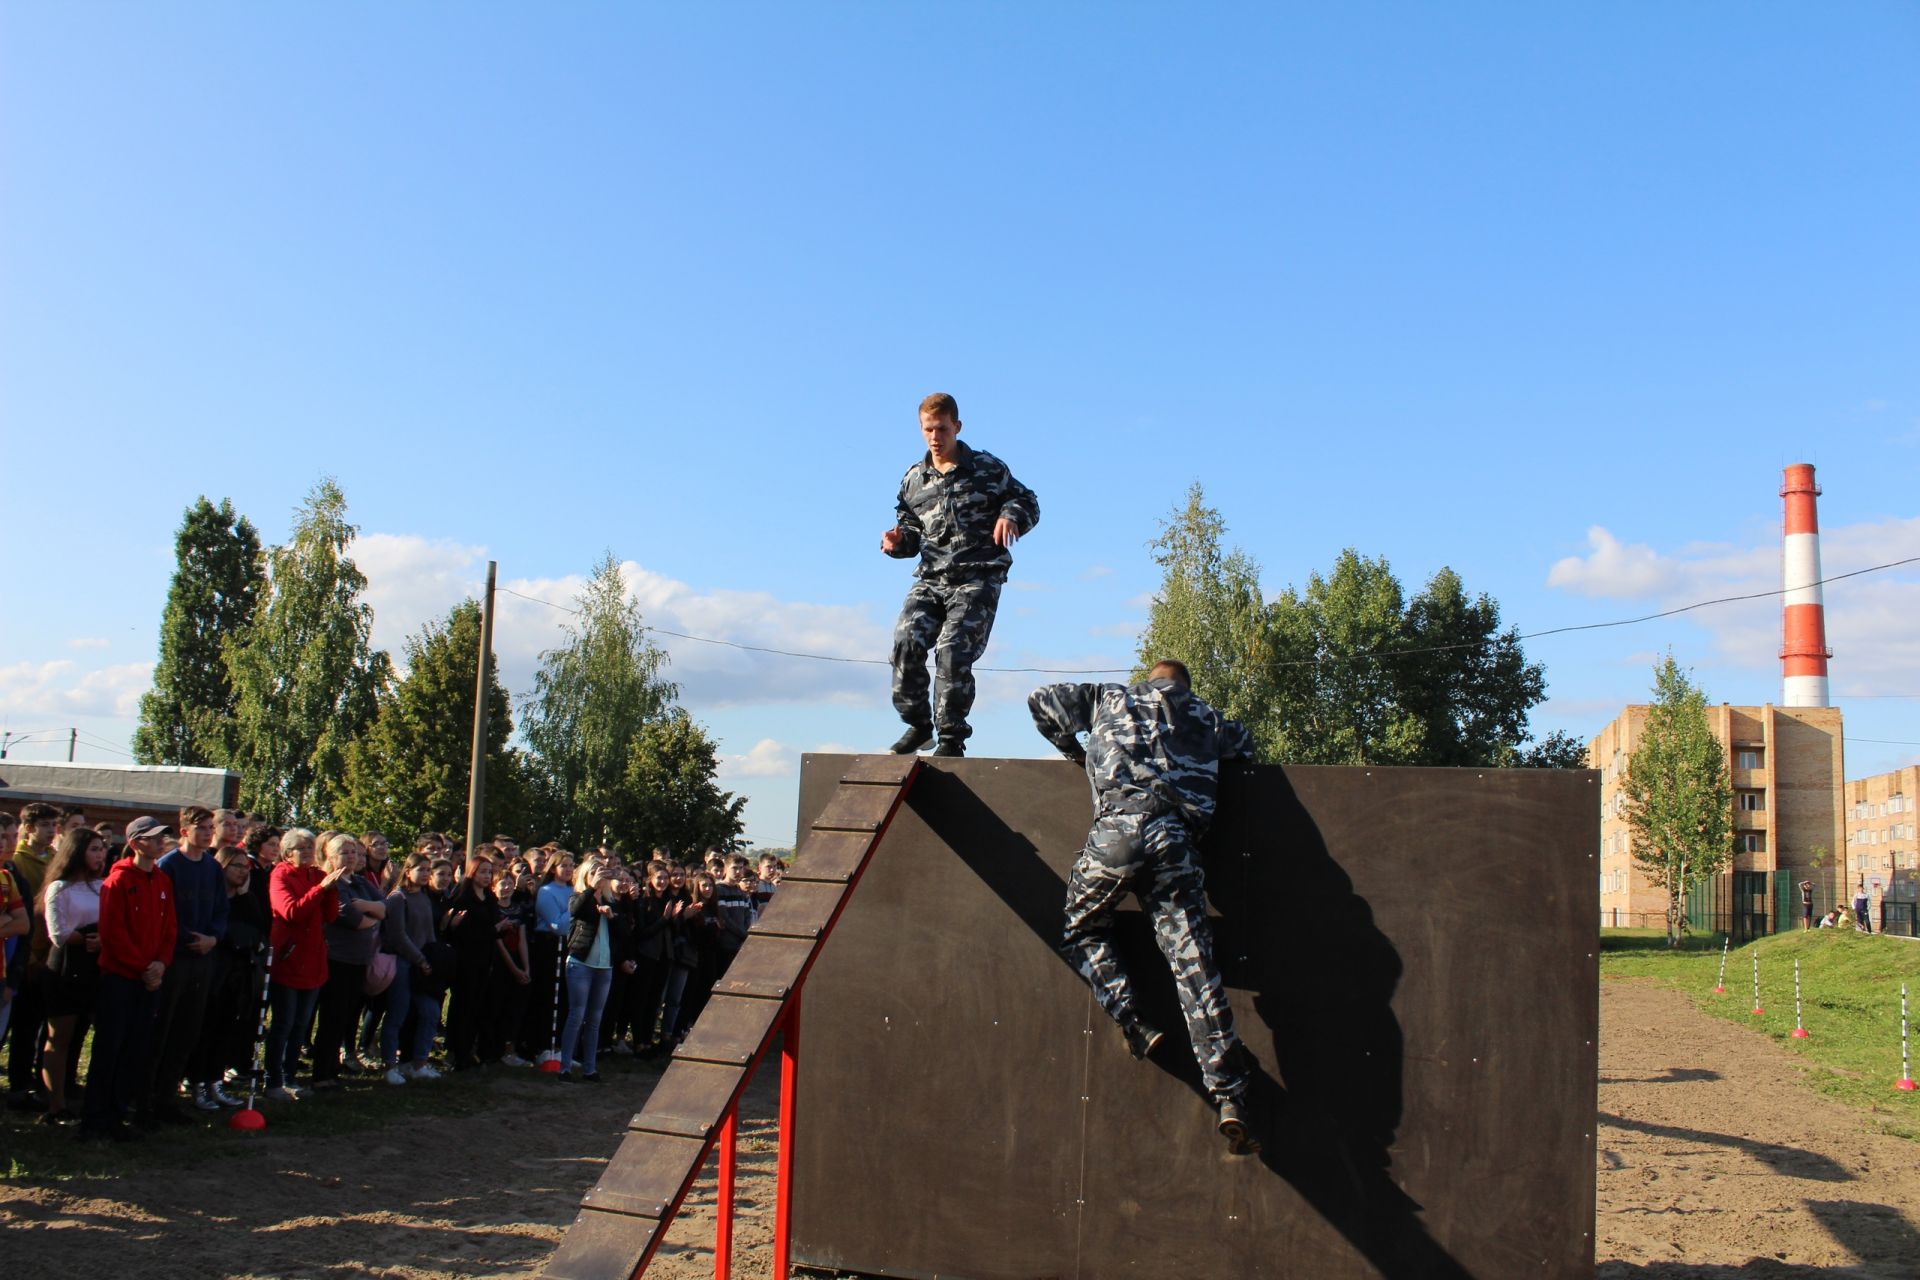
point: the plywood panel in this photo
(1410, 958)
(645, 1174)
(689, 1098)
(730, 1030)
(601, 1246)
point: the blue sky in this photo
(1546, 294)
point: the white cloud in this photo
(1095, 571)
(411, 580)
(766, 759)
(1876, 647)
(89, 642)
(62, 689)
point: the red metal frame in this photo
(783, 1180)
(723, 1213)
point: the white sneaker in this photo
(393, 1076)
(234, 1075)
(513, 1060)
(424, 1071)
(284, 1093)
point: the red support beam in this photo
(723, 1211)
(783, 1186)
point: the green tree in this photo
(1679, 799)
(1209, 614)
(1346, 670)
(305, 676)
(409, 773)
(674, 802)
(186, 716)
(592, 698)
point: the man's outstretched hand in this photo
(1005, 532)
(890, 541)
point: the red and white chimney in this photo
(1803, 651)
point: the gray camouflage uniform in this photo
(947, 520)
(1153, 754)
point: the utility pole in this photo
(477, 778)
(73, 740)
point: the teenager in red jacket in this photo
(137, 931)
(304, 902)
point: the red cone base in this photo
(1719, 991)
(247, 1118)
(1800, 1033)
(1757, 1011)
(551, 1066)
(1906, 1084)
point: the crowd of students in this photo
(189, 951)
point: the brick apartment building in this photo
(1883, 852)
(1786, 767)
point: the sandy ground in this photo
(1715, 1161)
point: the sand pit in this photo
(1715, 1161)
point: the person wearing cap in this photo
(137, 933)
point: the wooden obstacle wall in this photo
(1411, 958)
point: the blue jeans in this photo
(586, 997)
(426, 1016)
(292, 1011)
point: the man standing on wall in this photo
(1153, 753)
(960, 510)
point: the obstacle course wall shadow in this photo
(1410, 958)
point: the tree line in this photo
(1348, 669)
(267, 668)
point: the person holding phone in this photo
(590, 944)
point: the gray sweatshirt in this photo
(408, 927)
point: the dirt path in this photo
(1715, 1162)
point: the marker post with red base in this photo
(1799, 1027)
(1757, 1010)
(1906, 1070)
(1720, 983)
(247, 1117)
(550, 1060)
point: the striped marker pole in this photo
(1799, 1027)
(1720, 983)
(248, 1117)
(1906, 1069)
(1757, 1010)
(550, 1060)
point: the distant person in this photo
(137, 934)
(1806, 904)
(1153, 753)
(960, 510)
(1860, 918)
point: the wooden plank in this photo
(766, 967)
(800, 909)
(602, 1246)
(689, 1099)
(857, 808)
(829, 855)
(730, 1031)
(889, 769)
(646, 1174)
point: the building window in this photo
(1752, 801)
(1748, 759)
(1751, 842)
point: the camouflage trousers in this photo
(1153, 857)
(954, 620)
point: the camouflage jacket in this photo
(947, 520)
(1151, 748)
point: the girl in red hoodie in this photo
(304, 901)
(136, 945)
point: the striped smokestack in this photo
(1803, 651)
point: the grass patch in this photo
(1850, 997)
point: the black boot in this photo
(951, 747)
(1142, 1039)
(1236, 1126)
(916, 737)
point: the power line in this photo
(1886, 742)
(1322, 660)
